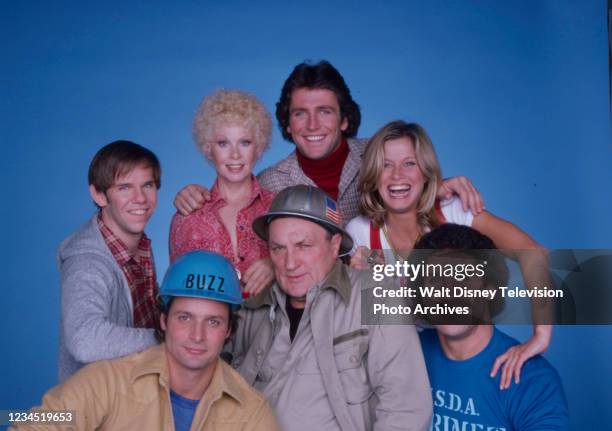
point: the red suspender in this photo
(375, 238)
(439, 212)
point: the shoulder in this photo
(358, 223)
(269, 177)
(357, 145)
(85, 249)
(86, 239)
(359, 229)
(535, 367)
(238, 384)
(453, 212)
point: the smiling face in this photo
(128, 204)
(302, 254)
(401, 182)
(233, 151)
(195, 331)
(315, 122)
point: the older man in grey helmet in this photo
(302, 342)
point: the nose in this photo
(197, 333)
(139, 195)
(395, 174)
(312, 122)
(235, 152)
(291, 261)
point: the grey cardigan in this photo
(96, 314)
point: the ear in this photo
(206, 150)
(98, 197)
(344, 124)
(162, 321)
(336, 240)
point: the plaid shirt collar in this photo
(120, 251)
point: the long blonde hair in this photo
(371, 203)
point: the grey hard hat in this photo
(307, 202)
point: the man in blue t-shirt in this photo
(459, 355)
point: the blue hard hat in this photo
(202, 274)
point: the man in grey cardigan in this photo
(108, 284)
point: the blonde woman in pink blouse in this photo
(232, 129)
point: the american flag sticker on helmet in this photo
(331, 211)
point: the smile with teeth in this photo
(399, 190)
(138, 212)
(237, 167)
(314, 138)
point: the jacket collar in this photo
(337, 280)
(153, 361)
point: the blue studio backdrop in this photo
(514, 94)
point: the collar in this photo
(119, 250)
(153, 361)
(217, 200)
(337, 279)
(324, 166)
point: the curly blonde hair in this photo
(371, 203)
(231, 108)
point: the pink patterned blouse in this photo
(204, 230)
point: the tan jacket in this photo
(374, 376)
(132, 393)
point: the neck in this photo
(299, 303)
(466, 345)
(191, 384)
(403, 229)
(130, 240)
(232, 192)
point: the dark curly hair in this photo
(468, 243)
(318, 75)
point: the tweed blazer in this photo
(288, 173)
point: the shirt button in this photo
(240, 228)
(259, 352)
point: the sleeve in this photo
(538, 402)
(398, 375)
(453, 212)
(359, 229)
(81, 396)
(88, 290)
(179, 234)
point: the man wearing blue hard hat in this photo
(181, 384)
(302, 342)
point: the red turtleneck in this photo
(326, 172)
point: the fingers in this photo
(471, 199)
(191, 198)
(258, 276)
(499, 361)
(507, 371)
(359, 260)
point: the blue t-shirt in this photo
(466, 398)
(183, 410)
